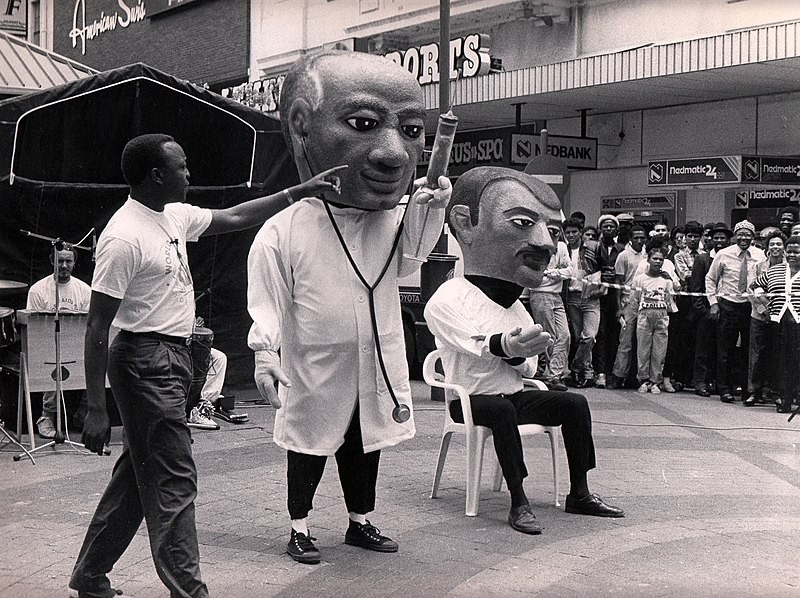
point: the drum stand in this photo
(61, 436)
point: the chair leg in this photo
(554, 451)
(437, 476)
(475, 446)
(498, 474)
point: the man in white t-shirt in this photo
(143, 285)
(73, 297)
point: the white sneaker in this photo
(45, 427)
(201, 422)
(655, 389)
(644, 388)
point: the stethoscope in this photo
(401, 412)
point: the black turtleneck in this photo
(504, 293)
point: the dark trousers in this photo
(787, 332)
(605, 349)
(760, 367)
(358, 474)
(503, 413)
(705, 349)
(155, 476)
(734, 321)
(680, 347)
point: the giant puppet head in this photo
(499, 217)
(357, 109)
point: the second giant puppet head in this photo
(500, 218)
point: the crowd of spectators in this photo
(699, 308)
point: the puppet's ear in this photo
(299, 119)
(461, 223)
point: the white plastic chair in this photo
(476, 436)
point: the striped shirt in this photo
(779, 280)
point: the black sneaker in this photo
(302, 549)
(368, 536)
(109, 593)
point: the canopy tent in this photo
(60, 176)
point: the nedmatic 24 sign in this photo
(716, 170)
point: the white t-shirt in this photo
(141, 259)
(73, 296)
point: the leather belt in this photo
(177, 340)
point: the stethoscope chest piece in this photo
(401, 413)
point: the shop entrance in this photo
(647, 210)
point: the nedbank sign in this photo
(576, 152)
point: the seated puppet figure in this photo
(488, 340)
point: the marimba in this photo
(37, 366)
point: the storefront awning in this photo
(25, 67)
(744, 63)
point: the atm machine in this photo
(647, 210)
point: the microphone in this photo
(94, 247)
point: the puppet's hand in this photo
(435, 198)
(525, 343)
(268, 371)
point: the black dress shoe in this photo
(555, 384)
(754, 399)
(366, 535)
(523, 520)
(727, 397)
(784, 407)
(701, 390)
(591, 505)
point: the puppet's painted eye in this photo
(360, 123)
(412, 131)
(523, 222)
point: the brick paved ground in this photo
(710, 492)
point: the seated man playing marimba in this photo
(73, 297)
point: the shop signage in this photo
(264, 94)
(771, 169)
(576, 152)
(695, 171)
(474, 148)
(624, 203)
(126, 13)
(725, 169)
(743, 198)
(155, 7)
(470, 52)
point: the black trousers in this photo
(605, 347)
(358, 475)
(503, 413)
(705, 349)
(787, 332)
(155, 478)
(734, 320)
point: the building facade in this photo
(203, 41)
(618, 84)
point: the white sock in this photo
(358, 518)
(299, 525)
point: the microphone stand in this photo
(61, 437)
